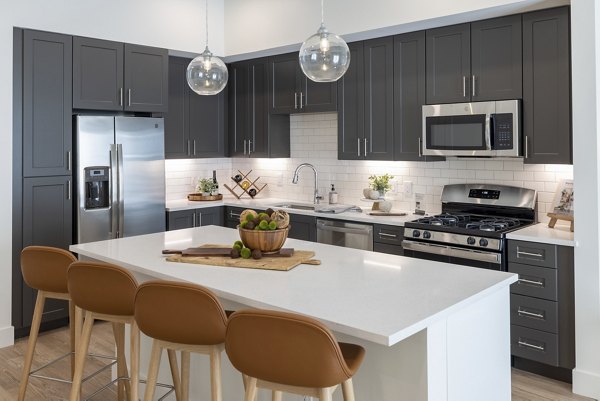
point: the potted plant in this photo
(380, 185)
(206, 186)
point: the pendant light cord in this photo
(322, 18)
(207, 23)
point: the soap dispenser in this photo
(333, 196)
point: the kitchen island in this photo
(432, 331)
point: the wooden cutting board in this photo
(387, 213)
(266, 262)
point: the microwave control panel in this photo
(503, 131)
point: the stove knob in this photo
(471, 241)
(416, 233)
(483, 242)
(426, 235)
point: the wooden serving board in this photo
(374, 213)
(200, 197)
(266, 262)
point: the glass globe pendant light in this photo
(324, 57)
(207, 74)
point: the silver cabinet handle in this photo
(523, 312)
(536, 255)
(194, 147)
(526, 344)
(69, 160)
(199, 221)
(473, 85)
(249, 147)
(295, 100)
(358, 146)
(69, 191)
(234, 215)
(420, 151)
(120, 96)
(188, 148)
(194, 219)
(526, 147)
(388, 235)
(129, 97)
(365, 147)
(530, 282)
(244, 146)
(464, 86)
(301, 100)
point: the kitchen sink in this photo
(298, 206)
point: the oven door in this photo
(451, 254)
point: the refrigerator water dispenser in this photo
(96, 187)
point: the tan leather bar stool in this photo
(181, 317)
(286, 352)
(106, 292)
(45, 270)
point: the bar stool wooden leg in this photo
(250, 389)
(185, 375)
(348, 390)
(172, 354)
(325, 394)
(277, 395)
(124, 389)
(80, 355)
(215, 373)
(72, 329)
(31, 342)
(153, 371)
(135, 361)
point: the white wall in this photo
(257, 25)
(174, 24)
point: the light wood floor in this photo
(525, 386)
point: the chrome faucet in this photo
(317, 197)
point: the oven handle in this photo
(452, 251)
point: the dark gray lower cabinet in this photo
(543, 308)
(303, 227)
(388, 239)
(189, 218)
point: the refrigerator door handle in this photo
(113, 191)
(121, 191)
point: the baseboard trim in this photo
(7, 336)
(586, 383)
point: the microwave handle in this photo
(492, 131)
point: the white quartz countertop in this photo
(263, 203)
(374, 296)
(559, 235)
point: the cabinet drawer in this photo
(532, 253)
(388, 234)
(534, 313)
(534, 344)
(534, 281)
(387, 248)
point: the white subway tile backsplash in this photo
(314, 140)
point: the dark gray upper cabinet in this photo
(47, 102)
(448, 64)
(379, 99)
(409, 96)
(97, 74)
(547, 131)
(115, 76)
(146, 78)
(292, 92)
(496, 59)
(194, 124)
(253, 131)
(351, 106)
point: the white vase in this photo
(385, 206)
(367, 193)
(374, 194)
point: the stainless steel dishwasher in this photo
(343, 233)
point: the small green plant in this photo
(205, 185)
(381, 183)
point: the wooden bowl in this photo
(268, 241)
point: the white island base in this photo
(432, 331)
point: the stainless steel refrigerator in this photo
(120, 177)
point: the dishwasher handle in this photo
(326, 227)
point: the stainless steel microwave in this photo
(472, 129)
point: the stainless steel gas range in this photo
(472, 227)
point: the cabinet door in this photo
(47, 104)
(317, 96)
(351, 106)
(181, 219)
(146, 78)
(211, 216)
(238, 109)
(379, 99)
(546, 87)
(97, 74)
(205, 115)
(283, 84)
(258, 138)
(48, 221)
(496, 59)
(176, 122)
(303, 227)
(448, 64)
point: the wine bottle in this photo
(216, 186)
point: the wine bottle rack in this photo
(252, 184)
